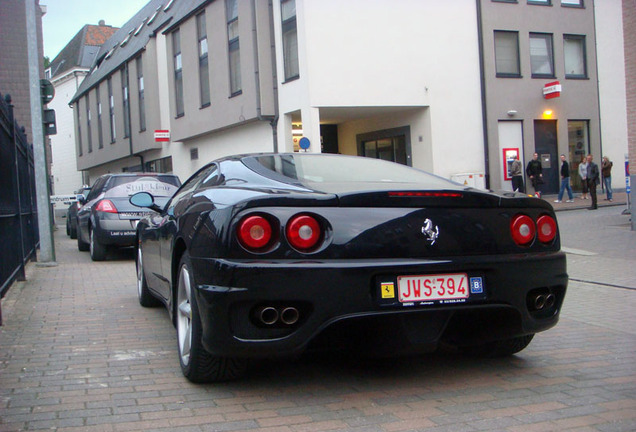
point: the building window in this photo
(178, 73)
(290, 39)
(234, 51)
(390, 144)
(572, 3)
(575, 58)
(100, 138)
(541, 55)
(142, 97)
(126, 102)
(89, 139)
(204, 79)
(111, 111)
(507, 54)
(79, 129)
(540, 2)
(163, 165)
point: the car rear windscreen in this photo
(160, 186)
(323, 168)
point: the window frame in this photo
(291, 66)
(233, 47)
(141, 93)
(548, 37)
(540, 2)
(111, 111)
(518, 53)
(177, 64)
(125, 93)
(80, 151)
(580, 5)
(100, 130)
(583, 41)
(204, 65)
(89, 139)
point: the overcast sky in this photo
(64, 18)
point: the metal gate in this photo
(19, 235)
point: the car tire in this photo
(197, 365)
(82, 246)
(146, 299)
(72, 231)
(501, 348)
(68, 227)
(98, 250)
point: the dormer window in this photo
(154, 15)
(140, 27)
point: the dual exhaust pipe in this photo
(544, 301)
(270, 315)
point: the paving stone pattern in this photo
(78, 353)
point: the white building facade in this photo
(401, 81)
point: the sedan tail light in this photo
(303, 232)
(106, 206)
(523, 229)
(546, 229)
(254, 232)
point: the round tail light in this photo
(254, 232)
(303, 232)
(546, 229)
(522, 229)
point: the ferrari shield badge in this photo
(430, 231)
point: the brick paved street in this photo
(78, 353)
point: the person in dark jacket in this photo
(565, 181)
(535, 172)
(593, 179)
(516, 175)
(606, 170)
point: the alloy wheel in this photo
(140, 272)
(184, 315)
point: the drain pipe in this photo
(272, 119)
(484, 114)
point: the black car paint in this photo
(339, 281)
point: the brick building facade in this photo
(14, 77)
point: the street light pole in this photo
(47, 249)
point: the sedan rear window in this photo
(159, 186)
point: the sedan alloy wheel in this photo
(184, 315)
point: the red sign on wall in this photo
(162, 135)
(552, 90)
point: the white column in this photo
(311, 128)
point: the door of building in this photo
(389, 144)
(546, 145)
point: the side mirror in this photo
(144, 199)
(80, 199)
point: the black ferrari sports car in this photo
(268, 255)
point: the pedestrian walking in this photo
(565, 181)
(583, 175)
(535, 172)
(592, 180)
(606, 170)
(516, 174)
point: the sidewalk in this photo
(78, 354)
(619, 199)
